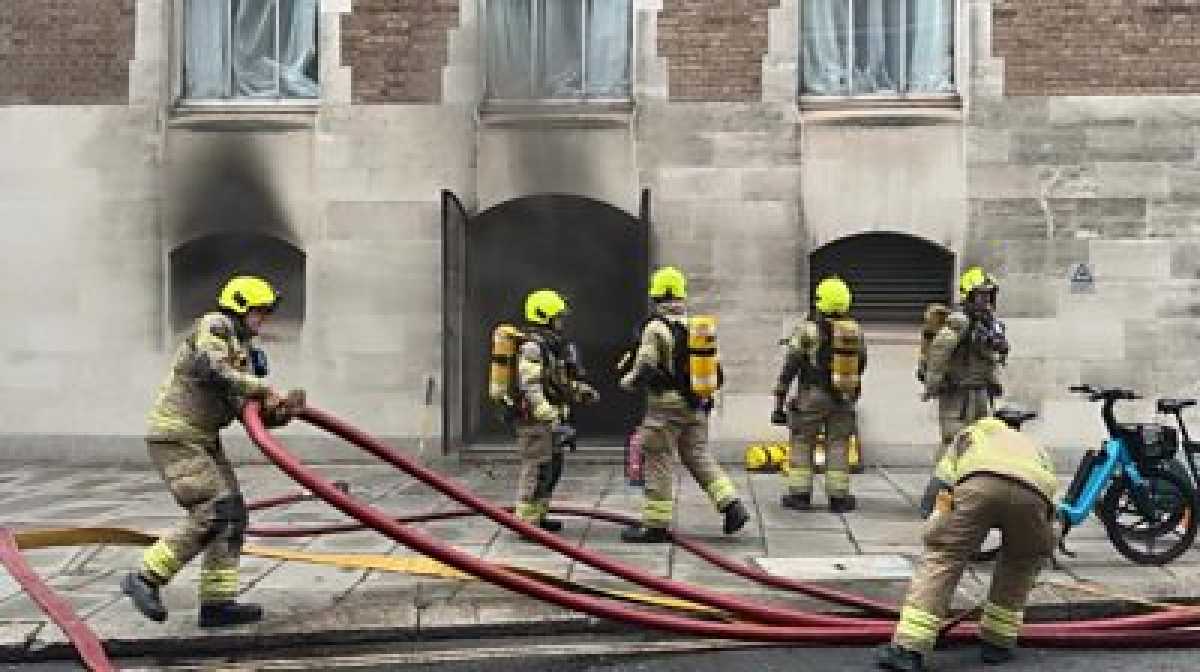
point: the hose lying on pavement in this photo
(90, 650)
(824, 629)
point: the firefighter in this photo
(828, 354)
(213, 373)
(676, 417)
(962, 369)
(546, 389)
(996, 477)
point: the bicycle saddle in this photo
(1174, 405)
(1014, 417)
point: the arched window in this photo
(199, 268)
(893, 276)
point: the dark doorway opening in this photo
(893, 276)
(595, 254)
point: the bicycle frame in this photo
(1117, 458)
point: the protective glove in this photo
(546, 412)
(295, 401)
(779, 416)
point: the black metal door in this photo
(893, 276)
(596, 255)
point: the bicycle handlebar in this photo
(1110, 396)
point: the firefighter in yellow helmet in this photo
(676, 419)
(996, 477)
(962, 369)
(546, 389)
(213, 373)
(828, 354)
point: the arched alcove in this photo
(199, 268)
(893, 275)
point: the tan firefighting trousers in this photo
(202, 480)
(981, 502)
(541, 468)
(686, 432)
(813, 409)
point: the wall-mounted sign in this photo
(1082, 279)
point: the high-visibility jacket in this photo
(992, 447)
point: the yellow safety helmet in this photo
(668, 283)
(244, 292)
(833, 296)
(544, 305)
(972, 279)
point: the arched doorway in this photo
(200, 267)
(594, 253)
(893, 275)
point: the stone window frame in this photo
(183, 105)
(503, 109)
(939, 101)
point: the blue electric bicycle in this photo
(1146, 505)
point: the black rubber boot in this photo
(736, 516)
(843, 504)
(797, 502)
(645, 535)
(899, 659)
(144, 594)
(228, 614)
(995, 655)
(550, 525)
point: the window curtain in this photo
(931, 58)
(561, 33)
(879, 46)
(298, 56)
(825, 52)
(608, 48)
(204, 65)
(898, 46)
(509, 53)
(254, 52)
(254, 48)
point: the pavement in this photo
(315, 605)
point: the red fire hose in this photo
(1107, 633)
(756, 611)
(86, 643)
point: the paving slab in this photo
(310, 603)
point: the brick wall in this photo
(396, 49)
(1109, 47)
(66, 52)
(714, 50)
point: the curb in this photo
(239, 642)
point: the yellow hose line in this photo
(415, 565)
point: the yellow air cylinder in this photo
(504, 362)
(702, 353)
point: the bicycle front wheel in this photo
(1152, 523)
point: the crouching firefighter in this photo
(962, 367)
(545, 391)
(676, 362)
(213, 373)
(996, 477)
(829, 353)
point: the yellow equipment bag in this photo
(845, 357)
(935, 318)
(502, 375)
(702, 355)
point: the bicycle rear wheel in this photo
(1151, 524)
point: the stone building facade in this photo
(1070, 139)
